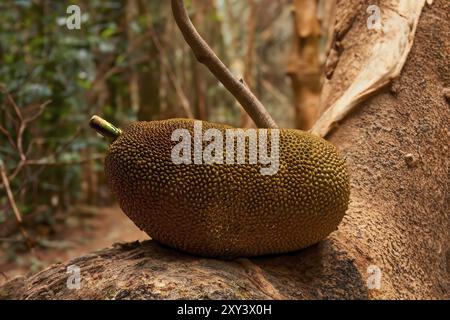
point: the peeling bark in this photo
(385, 51)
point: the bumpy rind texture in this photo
(228, 210)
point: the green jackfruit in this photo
(227, 210)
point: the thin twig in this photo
(62, 147)
(52, 162)
(4, 275)
(15, 106)
(23, 122)
(41, 109)
(205, 55)
(8, 136)
(13, 205)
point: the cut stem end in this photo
(105, 128)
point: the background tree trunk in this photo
(396, 145)
(149, 74)
(313, 20)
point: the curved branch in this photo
(206, 56)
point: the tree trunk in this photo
(311, 39)
(396, 229)
(149, 74)
(246, 121)
(198, 79)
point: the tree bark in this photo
(312, 21)
(396, 145)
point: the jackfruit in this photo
(221, 209)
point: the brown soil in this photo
(106, 226)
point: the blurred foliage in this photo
(91, 71)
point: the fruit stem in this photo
(105, 128)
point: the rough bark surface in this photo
(150, 271)
(396, 144)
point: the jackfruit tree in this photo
(384, 105)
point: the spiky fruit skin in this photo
(228, 210)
